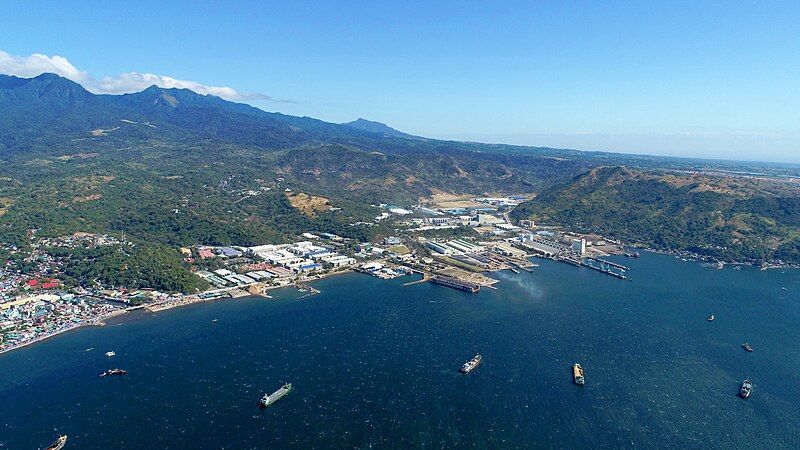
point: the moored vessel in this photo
(455, 283)
(577, 374)
(746, 389)
(470, 365)
(267, 400)
(58, 444)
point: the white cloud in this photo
(37, 64)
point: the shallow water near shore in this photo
(375, 364)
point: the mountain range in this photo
(174, 167)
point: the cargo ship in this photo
(455, 283)
(113, 372)
(746, 389)
(577, 374)
(58, 444)
(267, 400)
(470, 365)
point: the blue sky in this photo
(709, 79)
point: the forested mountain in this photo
(731, 217)
(171, 167)
(174, 167)
(376, 127)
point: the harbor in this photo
(340, 351)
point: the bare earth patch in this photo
(87, 198)
(78, 156)
(102, 132)
(309, 205)
(446, 200)
(5, 203)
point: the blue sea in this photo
(374, 364)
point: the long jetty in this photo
(612, 264)
(579, 263)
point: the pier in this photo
(603, 268)
(612, 264)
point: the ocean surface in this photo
(375, 364)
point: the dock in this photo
(603, 268)
(612, 264)
(425, 278)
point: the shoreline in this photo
(96, 322)
(197, 299)
(155, 308)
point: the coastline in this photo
(236, 292)
(185, 300)
(96, 322)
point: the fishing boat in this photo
(577, 374)
(746, 389)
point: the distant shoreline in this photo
(181, 303)
(98, 322)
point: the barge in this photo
(455, 283)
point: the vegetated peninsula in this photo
(735, 218)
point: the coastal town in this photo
(454, 243)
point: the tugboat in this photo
(113, 372)
(746, 389)
(470, 365)
(711, 318)
(58, 444)
(267, 399)
(747, 347)
(577, 374)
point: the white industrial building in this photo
(579, 246)
(441, 249)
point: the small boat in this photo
(214, 320)
(113, 372)
(577, 374)
(747, 347)
(711, 318)
(746, 389)
(470, 365)
(784, 289)
(110, 354)
(58, 444)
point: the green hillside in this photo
(735, 218)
